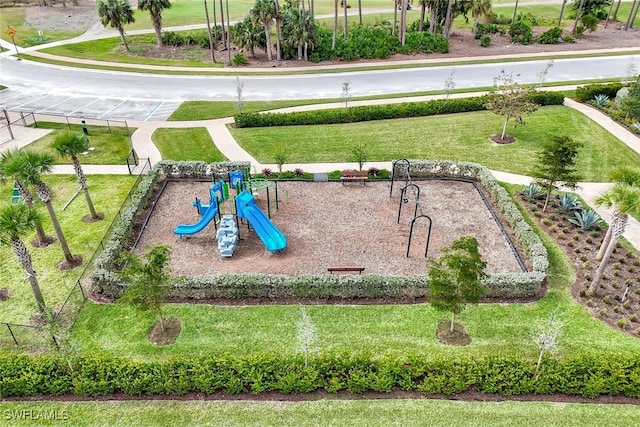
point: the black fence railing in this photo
(8, 121)
(34, 335)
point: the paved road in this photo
(120, 95)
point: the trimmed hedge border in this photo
(589, 92)
(239, 286)
(587, 375)
(380, 112)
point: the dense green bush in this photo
(373, 42)
(484, 29)
(485, 41)
(380, 112)
(589, 92)
(611, 374)
(551, 36)
(521, 32)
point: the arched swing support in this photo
(404, 199)
(413, 221)
(407, 167)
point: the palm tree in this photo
(28, 166)
(211, 42)
(155, 8)
(624, 198)
(70, 145)
(248, 35)
(479, 8)
(41, 239)
(15, 222)
(263, 12)
(278, 18)
(116, 13)
(448, 21)
(578, 16)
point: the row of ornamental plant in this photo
(107, 282)
(381, 112)
(586, 375)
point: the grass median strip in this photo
(187, 144)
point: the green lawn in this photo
(326, 412)
(107, 193)
(27, 35)
(187, 144)
(457, 137)
(109, 148)
(120, 330)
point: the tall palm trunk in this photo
(578, 16)
(157, 26)
(346, 23)
(423, 11)
(123, 40)
(21, 252)
(43, 194)
(395, 17)
(632, 14)
(224, 36)
(448, 19)
(83, 186)
(335, 24)
(360, 12)
(618, 230)
(41, 237)
(607, 237)
(278, 49)
(211, 43)
(515, 10)
(228, 34)
(267, 35)
(564, 2)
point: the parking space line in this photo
(102, 116)
(84, 106)
(152, 112)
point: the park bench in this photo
(345, 269)
(351, 175)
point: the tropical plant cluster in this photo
(618, 101)
(586, 375)
(588, 93)
(106, 282)
(382, 112)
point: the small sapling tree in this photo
(455, 279)
(346, 92)
(280, 155)
(149, 281)
(359, 154)
(449, 85)
(556, 165)
(509, 99)
(545, 337)
(307, 335)
(239, 95)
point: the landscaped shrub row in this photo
(380, 112)
(588, 92)
(505, 285)
(612, 374)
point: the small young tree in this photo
(455, 280)
(359, 154)
(307, 335)
(449, 85)
(346, 93)
(556, 165)
(545, 337)
(239, 95)
(542, 74)
(149, 280)
(280, 155)
(508, 98)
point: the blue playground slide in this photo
(186, 229)
(270, 235)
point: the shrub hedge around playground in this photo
(586, 375)
(106, 282)
(380, 112)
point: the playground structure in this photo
(404, 168)
(243, 208)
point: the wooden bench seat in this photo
(346, 269)
(354, 176)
